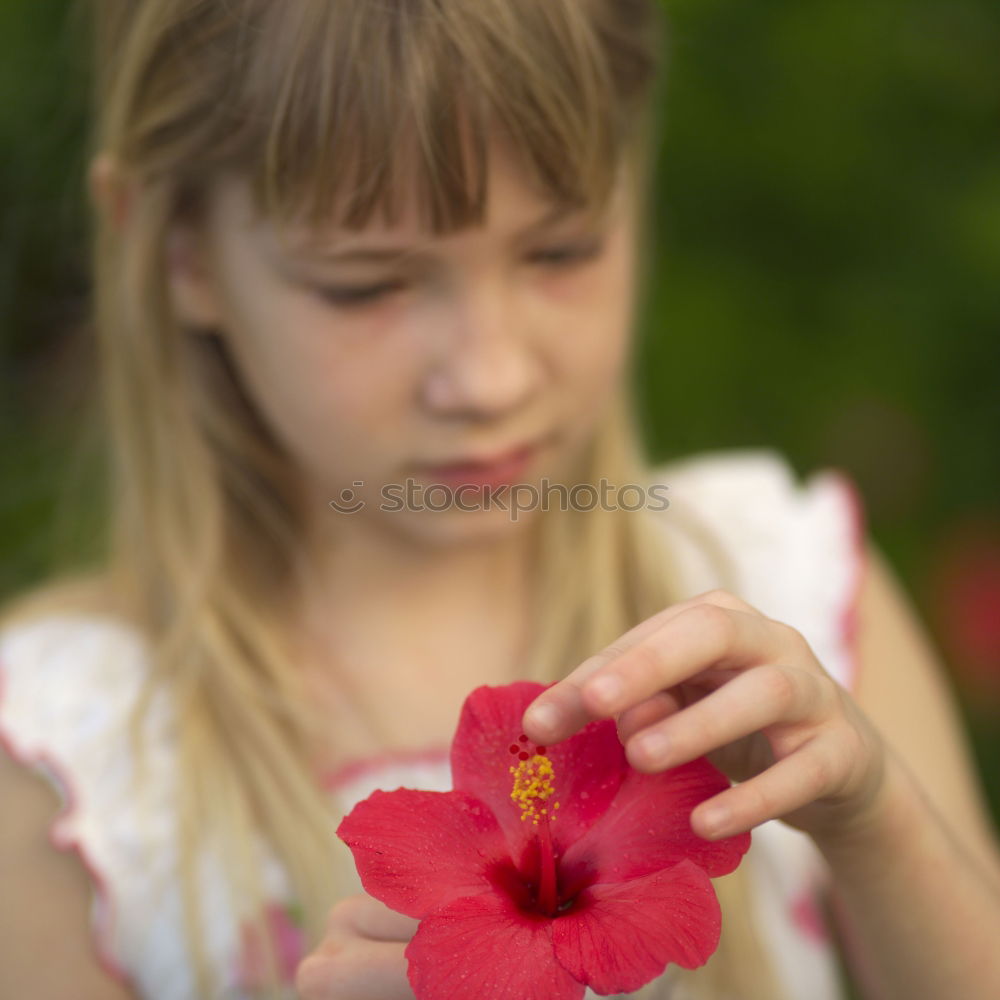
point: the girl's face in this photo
(374, 355)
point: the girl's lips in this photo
(506, 470)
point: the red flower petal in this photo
(619, 937)
(418, 851)
(484, 948)
(588, 766)
(648, 828)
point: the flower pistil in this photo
(534, 786)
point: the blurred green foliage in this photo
(825, 278)
(43, 283)
(828, 273)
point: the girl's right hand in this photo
(360, 956)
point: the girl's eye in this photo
(563, 256)
(558, 257)
(357, 296)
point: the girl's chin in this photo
(456, 527)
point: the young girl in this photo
(347, 252)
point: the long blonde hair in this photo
(203, 524)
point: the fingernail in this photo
(606, 688)
(544, 716)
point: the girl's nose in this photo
(487, 366)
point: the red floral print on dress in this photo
(808, 917)
(546, 869)
(284, 926)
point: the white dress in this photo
(67, 684)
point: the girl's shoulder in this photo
(68, 685)
(71, 640)
(753, 502)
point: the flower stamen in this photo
(533, 787)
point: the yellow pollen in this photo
(533, 787)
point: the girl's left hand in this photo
(361, 956)
(714, 677)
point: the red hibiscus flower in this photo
(545, 870)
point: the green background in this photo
(825, 281)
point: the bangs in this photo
(356, 106)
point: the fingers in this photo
(368, 970)
(653, 710)
(692, 639)
(750, 702)
(363, 916)
(700, 637)
(361, 956)
(561, 708)
(796, 781)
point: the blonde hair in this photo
(203, 541)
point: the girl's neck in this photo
(368, 571)
(392, 643)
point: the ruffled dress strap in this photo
(67, 688)
(792, 549)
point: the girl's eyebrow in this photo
(391, 254)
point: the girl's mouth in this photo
(504, 470)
